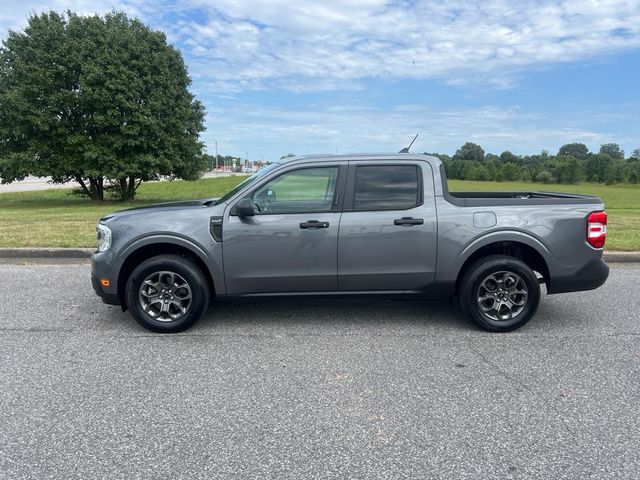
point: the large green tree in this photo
(613, 150)
(470, 151)
(577, 150)
(103, 101)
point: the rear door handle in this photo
(408, 221)
(313, 224)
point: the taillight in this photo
(597, 229)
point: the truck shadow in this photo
(369, 313)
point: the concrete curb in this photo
(46, 252)
(610, 257)
(613, 257)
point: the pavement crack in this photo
(516, 381)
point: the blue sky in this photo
(365, 75)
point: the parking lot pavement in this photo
(316, 388)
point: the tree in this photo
(597, 166)
(479, 172)
(511, 172)
(544, 177)
(613, 150)
(615, 172)
(577, 150)
(567, 169)
(636, 154)
(634, 172)
(470, 151)
(103, 101)
(507, 156)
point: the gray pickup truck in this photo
(351, 225)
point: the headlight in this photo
(104, 237)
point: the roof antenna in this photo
(406, 149)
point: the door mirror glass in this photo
(244, 208)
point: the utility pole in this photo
(216, 154)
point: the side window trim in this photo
(349, 205)
(337, 200)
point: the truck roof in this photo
(358, 156)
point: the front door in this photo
(290, 245)
(388, 230)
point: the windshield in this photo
(252, 179)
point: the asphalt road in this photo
(316, 388)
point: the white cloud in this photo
(236, 45)
(280, 43)
(347, 129)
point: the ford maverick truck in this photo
(351, 225)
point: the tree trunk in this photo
(132, 187)
(128, 188)
(95, 190)
(123, 189)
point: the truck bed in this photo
(485, 199)
(496, 199)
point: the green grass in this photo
(53, 218)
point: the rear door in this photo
(291, 243)
(388, 230)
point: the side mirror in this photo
(244, 208)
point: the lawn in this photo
(54, 218)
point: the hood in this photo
(165, 206)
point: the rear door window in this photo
(386, 187)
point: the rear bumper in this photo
(591, 276)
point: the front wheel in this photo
(500, 293)
(167, 293)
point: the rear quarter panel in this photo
(557, 232)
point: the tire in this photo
(490, 297)
(174, 297)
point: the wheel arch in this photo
(152, 247)
(524, 248)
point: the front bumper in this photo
(101, 267)
(589, 277)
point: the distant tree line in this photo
(573, 163)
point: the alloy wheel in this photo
(165, 296)
(502, 296)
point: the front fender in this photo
(214, 266)
(174, 239)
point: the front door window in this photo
(307, 190)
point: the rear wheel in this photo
(167, 293)
(500, 293)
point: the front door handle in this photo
(313, 224)
(408, 221)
